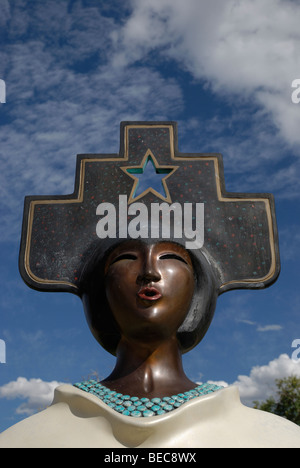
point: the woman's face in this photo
(149, 288)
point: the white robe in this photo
(77, 419)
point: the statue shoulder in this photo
(66, 423)
(79, 419)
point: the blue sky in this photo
(73, 71)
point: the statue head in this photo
(71, 243)
(148, 288)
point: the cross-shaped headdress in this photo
(60, 233)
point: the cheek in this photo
(180, 287)
(186, 292)
(179, 280)
(119, 285)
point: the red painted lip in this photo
(149, 294)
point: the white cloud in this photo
(220, 383)
(265, 328)
(248, 49)
(260, 384)
(37, 393)
(262, 328)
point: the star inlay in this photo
(149, 177)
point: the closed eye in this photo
(172, 256)
(125, 256)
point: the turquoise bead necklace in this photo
(143, 407)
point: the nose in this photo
(147, 277)
(150, 271)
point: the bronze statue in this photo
(149, 264)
